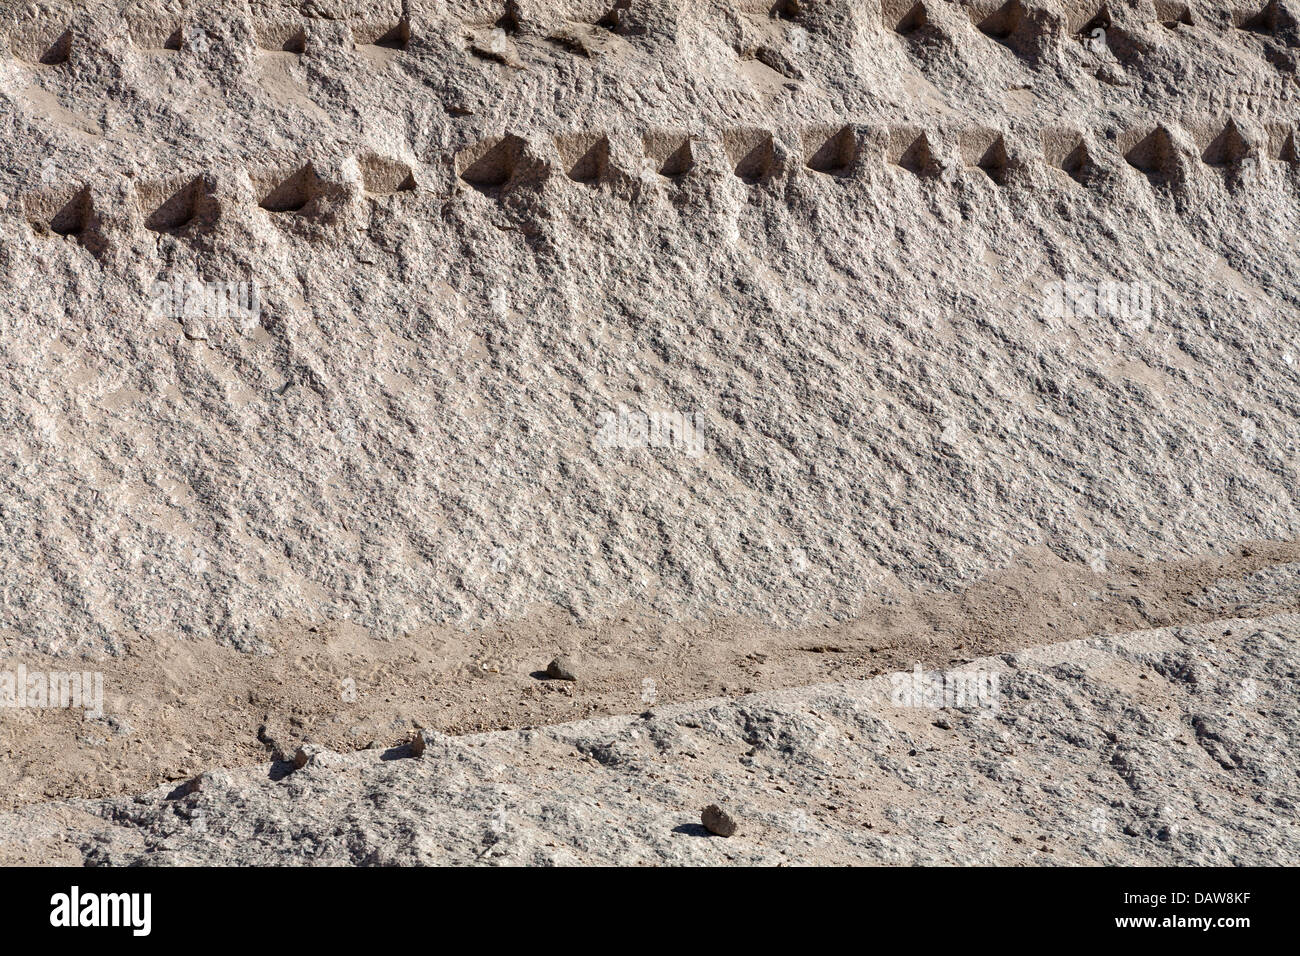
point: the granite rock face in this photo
(358, 358)
(1173, 746)
(412, 313)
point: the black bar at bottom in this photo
(336, 906)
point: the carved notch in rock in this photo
(57, 52)
(995, 162)
(170, 207)
(670, 154)
(586, 157)
(1227, 149)
(291, 193)
(1155, 156)
(1079, 165)
(492, 164)
(836, 154)
(73, 217)
(1174, 15)
(913, 20)
(756, 155)
(383, 177)
(919, 158)
(1004, 21)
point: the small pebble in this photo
(717, 820)
(305, 755)
(560, 669)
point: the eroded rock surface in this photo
(358, 358)
(701, 307)
(1172, 746)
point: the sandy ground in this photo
(175, 710)
(1077, 753)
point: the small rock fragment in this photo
(214, 780)
(208, 780)
(417, 744)
(718, 820)
(560, 669)
(275, 743)
(306, 754)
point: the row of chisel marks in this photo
(35, 42)
(44, 51)
(1029, 30)
(1002, 19)
(175, 205)
(1161, 151)
(1014, 22)
(1164, 153)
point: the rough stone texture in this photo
(1174, 746)
(1270, 588)
(478, 231)
(822, 244)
